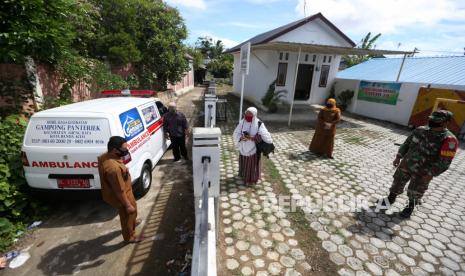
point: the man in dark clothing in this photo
(176, 129)
(427, 153)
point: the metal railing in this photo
(222, 110)
(201, 257)
(210, 116)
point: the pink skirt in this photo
(249, 168)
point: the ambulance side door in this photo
(154, 125)
(162, 110)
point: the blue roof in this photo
(431, 70)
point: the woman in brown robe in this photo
(323, 139)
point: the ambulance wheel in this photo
(145, 180)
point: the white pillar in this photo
(293, 88)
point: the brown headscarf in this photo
(332, 102)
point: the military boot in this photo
(391, 199)
(407, 212)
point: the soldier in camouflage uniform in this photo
(426, 153)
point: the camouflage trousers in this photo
(416, 188)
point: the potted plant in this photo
(272, 98)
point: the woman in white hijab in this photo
(246, 135)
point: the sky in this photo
(435, 27)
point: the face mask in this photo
(122, 153)
(328, 105)
(248, 118)
(433, 124)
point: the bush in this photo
(272, 98)
(344, 98)
(17, 207)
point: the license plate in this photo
(73, 183)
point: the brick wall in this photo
(16, 95)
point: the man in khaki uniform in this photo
(116, 185)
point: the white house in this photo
(275, 56)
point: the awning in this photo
(324, 49)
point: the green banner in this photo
(379, 92)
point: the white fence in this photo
(206, 170)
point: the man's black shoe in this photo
(407, 212)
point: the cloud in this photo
(432, 47)
(248, 25)
(197, 4)
(384, 16)
(262, 1)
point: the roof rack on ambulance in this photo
(127, 92)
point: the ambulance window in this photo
(150, 114)
(161, 108)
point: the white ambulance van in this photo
(61, 145)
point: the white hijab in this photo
(248, 148)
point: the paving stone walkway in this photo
(260, 239)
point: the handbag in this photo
(264, 147)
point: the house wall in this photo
(16, 95)
(399, 113)
(314, 32)
(264, 69)
(264, 64)
(185, 84)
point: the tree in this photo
(209, 48)
(366, 43)
(147, 34)
(220, 65)
(162, 34)
(36, 28)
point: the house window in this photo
(329, 59)
(306, 57)
(314, 58)
(282, 71)
(324, 75)
(287, 56)
(281, 56)
(324, 58)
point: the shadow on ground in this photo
(69, 258)
(169, 226)
(365, 224)
(78, 212)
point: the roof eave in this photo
(324, 49)
(293, 27)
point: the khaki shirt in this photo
(114, 178)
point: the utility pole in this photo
(305, 4)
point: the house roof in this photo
(431, 70)
(325, 49)
(270, 35)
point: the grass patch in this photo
(339, 232)
(234, 233)
(354, 140)
(316, 256)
